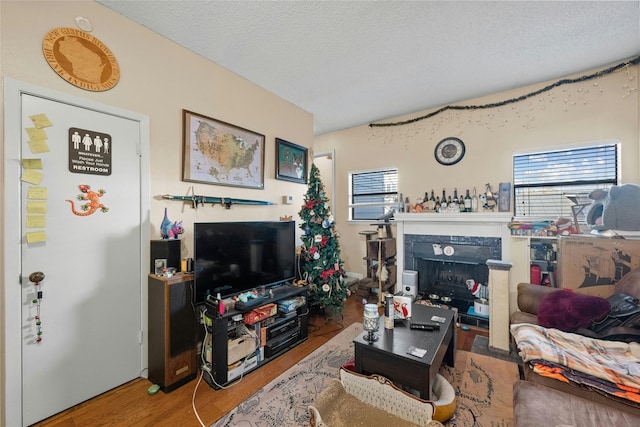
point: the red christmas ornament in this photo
(327, 273)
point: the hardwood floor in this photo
(130, 405)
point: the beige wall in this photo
(594, 110)
(158, 79)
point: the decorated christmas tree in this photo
(321, 265)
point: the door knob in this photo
(36, 277)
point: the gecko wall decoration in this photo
(93, 201)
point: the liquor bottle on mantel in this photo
(461, 203)
(443, 201)
(433, 199)
(438, 206)
(467, 202)
(474, 201)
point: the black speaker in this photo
(168, 249)
(172, 331)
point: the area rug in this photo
(284, 401)
(483, 386)
(484, 390)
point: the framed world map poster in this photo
(216, 152)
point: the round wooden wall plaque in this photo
(81, 59)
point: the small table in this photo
(388, 355)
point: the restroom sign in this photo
(89, 152)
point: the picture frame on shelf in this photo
(220, 153)
(159, 265)
(291, 162)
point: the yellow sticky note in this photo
(34, 207)
(37, 193)
(32, 163)
(40, 120)
(36, 236)
(38, 146)
(36, 221)
(32, 177)
(36, 134)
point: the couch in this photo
(371, 401)
(536, 405)
(529, 298)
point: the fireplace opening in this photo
(445, 264)
(445, 282)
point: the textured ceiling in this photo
(354, 62)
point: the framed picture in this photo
(159, 265)
(291, 162)
(216, 152)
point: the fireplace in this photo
(446, 263)
(466, 240)
(462, 229)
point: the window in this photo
(548, 184)
(372, 193)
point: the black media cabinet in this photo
(228, 354)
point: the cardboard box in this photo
(240, 348)
(592, 265)
(260, 313)
(291, 304)
(240, 368)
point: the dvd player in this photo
(277, 329)
(281, 342)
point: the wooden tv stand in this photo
(229, 355)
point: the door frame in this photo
(330, 155)
(12, 234)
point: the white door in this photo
(83, 336)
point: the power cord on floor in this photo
(193, 399)
(341, 327)
(204, 367)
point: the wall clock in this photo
(449, 151)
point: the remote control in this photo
(425, 326)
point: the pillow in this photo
(569, 311)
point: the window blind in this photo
(550, 183)
(372, 193)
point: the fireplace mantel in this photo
(463, 224)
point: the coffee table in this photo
(389, 357)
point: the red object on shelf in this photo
(535, 275)
(260, 313)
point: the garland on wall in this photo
(559, 83)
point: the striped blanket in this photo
(611, 366)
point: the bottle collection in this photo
(449, 203)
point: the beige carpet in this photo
(483, 388)
(483, 385)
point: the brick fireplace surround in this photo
(463, 228)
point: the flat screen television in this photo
(234, 257)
